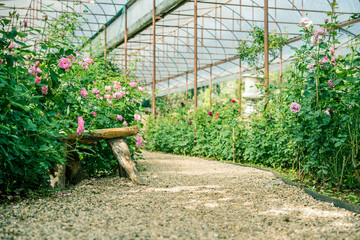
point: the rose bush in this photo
(311, 126)
(47, 87)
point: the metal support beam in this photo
(210, 85)
(195, 54)
(240, 95)
(154, 64)
(266, 43)
(280, 73)
(186, 88)
(126, 36)
(105, 45)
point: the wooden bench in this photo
(115, 138)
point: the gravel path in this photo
(185, 198)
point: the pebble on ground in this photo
(184, 198)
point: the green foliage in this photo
(39, 99)
(320, 142)
(253, 52)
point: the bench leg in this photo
(57, 179)
(122, 153)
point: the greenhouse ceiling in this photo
(221, 24)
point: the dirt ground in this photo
(184, 198)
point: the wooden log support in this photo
(57, 178)
(122, 153)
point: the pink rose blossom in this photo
(119, 117)
(127, 73)
(137, 117)
(233, 101)
(37, 80)
(294, 107)
(318, 36)
(34, 70)
(110, 102)
(310, 67)
(116, 85)
(125, 123)
(94, 82)
(1, 62)
(133, 84)
(118, 95)
(325, 60)
(333, 62)
(88, 60)
(306, 22)
(93, 113)
(327, 111)
(11, 46)
(141, 89)
(95, 90)
(64, 63)
(25, 23)
(84, 92)
(347, 67)
(154, 142)
(98, 96)
(108, 88)
(139, 140)
(46, 17)
(64, 85)
(62, 35)
(80, 128)
(44, 90)
(44, 39)
(37, 63)
(107, 95)
(330, 83)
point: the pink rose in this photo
(119, 117)
(88, 60)
(118, 95)
(107, 96)
(138, 140)
(37, 80)
(37, 63)
(294, 107)
(93, 113)
(25, 23)
(34, 70)
(84, 92)
(125, 123)
(44, 90)
(64, 63)
(1, 62)
(137, 117)
(95, 90)
(117, 85)
(11, 46)
(81, 125)
(141, 89)
(133, 84)
(108, 88)
(110, 102)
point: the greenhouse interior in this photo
(180, 119)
